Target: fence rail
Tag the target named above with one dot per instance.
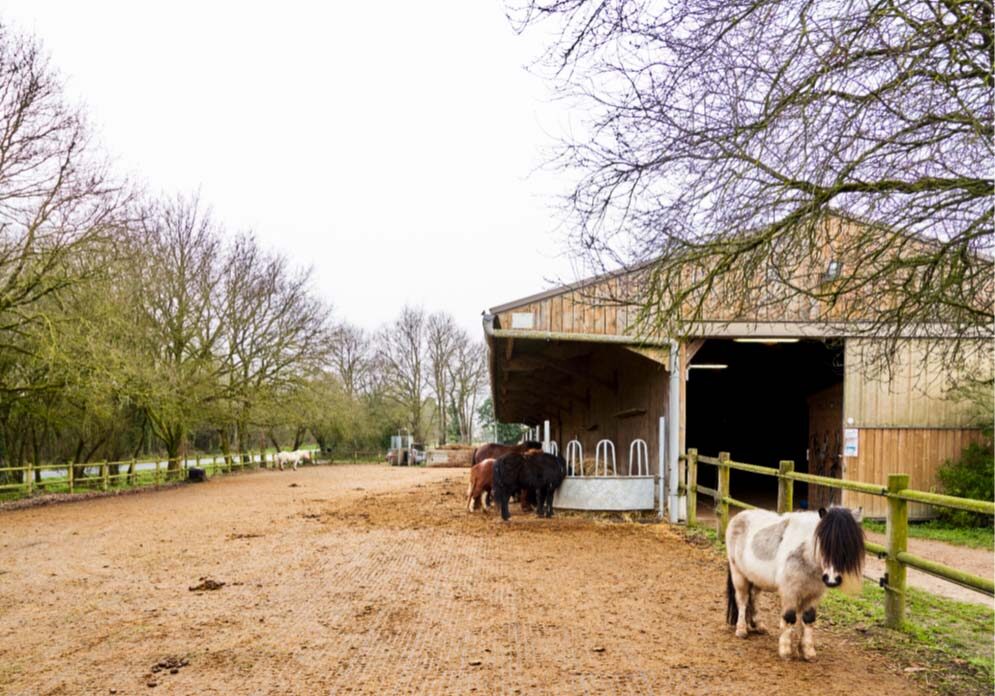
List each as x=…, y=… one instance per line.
x=897, y=492
x=131, y=473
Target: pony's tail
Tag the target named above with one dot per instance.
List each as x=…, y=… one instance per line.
x=732, y=610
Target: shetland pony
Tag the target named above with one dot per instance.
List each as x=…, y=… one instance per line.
x=798, y=555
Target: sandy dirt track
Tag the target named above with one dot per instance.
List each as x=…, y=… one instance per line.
x=366, y=579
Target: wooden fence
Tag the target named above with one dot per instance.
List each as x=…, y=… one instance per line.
x=898, y=494
x=101, y=476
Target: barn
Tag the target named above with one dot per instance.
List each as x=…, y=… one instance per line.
x=785, y=383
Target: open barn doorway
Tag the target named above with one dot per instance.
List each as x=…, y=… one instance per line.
x=767, y=401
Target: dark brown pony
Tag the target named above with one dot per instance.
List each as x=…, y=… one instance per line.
x=493, y=450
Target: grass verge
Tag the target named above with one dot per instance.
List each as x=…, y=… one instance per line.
x=938, y=530
x=944, y=644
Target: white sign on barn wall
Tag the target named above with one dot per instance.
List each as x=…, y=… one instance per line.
x=850, y=442
x=521, y=320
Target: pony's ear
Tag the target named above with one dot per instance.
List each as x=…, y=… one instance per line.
x=822, y=513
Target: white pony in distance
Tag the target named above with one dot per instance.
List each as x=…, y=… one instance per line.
x=292, y=458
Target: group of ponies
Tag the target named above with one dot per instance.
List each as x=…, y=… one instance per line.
x=798, y=555
x=499, y=472
x=292, y=459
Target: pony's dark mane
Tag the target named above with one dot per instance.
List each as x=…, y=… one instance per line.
x=841, y=540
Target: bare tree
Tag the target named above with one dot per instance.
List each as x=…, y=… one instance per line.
x=176, y=283
x=402, y=360
x=275, y=334
x=738, y=143
x=442, y=335
x=57, y=200
x=467, y=371
x=350, y=358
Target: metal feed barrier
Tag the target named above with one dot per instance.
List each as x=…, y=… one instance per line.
x=603, y=490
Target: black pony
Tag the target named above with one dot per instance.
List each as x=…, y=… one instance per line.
x=536, y=471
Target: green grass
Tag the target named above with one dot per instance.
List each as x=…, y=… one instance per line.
x=938, y=530
x=945, y=643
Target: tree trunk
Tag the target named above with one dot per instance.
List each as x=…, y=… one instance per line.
x=272, y=438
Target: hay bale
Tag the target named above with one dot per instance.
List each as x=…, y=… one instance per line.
x=450, y=456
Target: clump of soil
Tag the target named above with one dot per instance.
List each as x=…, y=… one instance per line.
x=206, y=584
x=171, y=664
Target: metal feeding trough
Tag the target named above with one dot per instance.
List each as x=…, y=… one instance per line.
x=606, y=489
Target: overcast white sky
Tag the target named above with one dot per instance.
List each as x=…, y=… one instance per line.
x=390, y=144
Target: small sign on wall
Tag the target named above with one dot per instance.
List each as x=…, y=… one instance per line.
x=850, y=442
x=521, y=320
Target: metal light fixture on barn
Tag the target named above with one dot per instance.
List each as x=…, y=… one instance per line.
x=708, y=366
x=766, y=341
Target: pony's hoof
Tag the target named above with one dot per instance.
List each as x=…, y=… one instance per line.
x=785, y=654
x=808, y=654
x=759, y=629
x=742, y=633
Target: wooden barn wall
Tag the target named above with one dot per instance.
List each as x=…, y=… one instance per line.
x=915, y=393
x=906, y=419
x=918, y=452
x=641, y=384
x=596, y=307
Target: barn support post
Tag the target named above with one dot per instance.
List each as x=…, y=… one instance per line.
x=722, y=504
x=692, y=486
x=785, y=487
x=545, y=436
x=674, y=433
x=662, y=456
x=897, y=529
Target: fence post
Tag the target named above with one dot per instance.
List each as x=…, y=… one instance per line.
x=785, y=487
x=104, y=471
x=155, y=476
x=196, y=460
x=692, y=487
x=71, y=476
x=721, y=506
x=30, y=480
x=897, y=529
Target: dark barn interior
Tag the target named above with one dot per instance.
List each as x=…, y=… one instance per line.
x=764, y=406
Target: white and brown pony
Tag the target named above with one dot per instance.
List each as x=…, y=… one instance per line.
x=798, y=555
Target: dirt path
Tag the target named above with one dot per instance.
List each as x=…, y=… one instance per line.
x=365, y=579
x=977, y=561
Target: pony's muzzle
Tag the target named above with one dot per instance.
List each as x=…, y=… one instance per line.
x=832, y=583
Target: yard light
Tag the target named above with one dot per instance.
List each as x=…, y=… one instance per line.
x=766, y=341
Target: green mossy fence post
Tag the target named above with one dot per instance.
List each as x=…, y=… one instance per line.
x=721, y=505
x=897, y=529
x=104, y=471
x=29, y=479
x=197, y=460
x=155, y=476
x=71, y=475
x=785, y=487
x=692, y=491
